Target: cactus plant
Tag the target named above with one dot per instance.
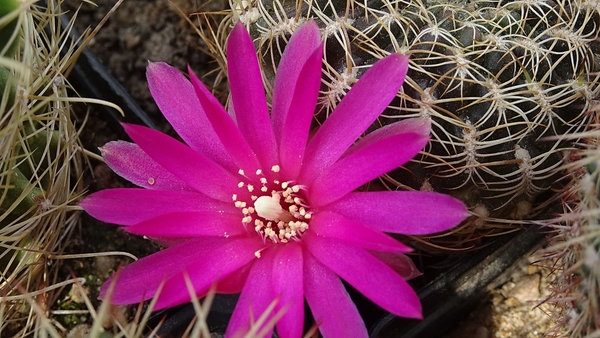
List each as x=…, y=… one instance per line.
x=501, y=82
x=41, y=161
x=575, y=250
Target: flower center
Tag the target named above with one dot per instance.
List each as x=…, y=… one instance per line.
x=279, y=213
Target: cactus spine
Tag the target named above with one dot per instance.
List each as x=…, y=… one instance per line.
x=575, y=250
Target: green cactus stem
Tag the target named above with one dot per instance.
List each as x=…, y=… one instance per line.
x=19, y=196
x=39, y=147
x=7, y=89
x=9, y=20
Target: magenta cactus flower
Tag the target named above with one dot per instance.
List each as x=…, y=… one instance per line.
x=252, y=203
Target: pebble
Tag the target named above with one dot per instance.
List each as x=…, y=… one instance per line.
x=526, y=289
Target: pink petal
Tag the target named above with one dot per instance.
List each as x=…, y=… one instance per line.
x=177, y=100
x=209, y=269
x=331, y=306
x=191, y=224
x=367, y=274
x=332, y=225
x=300, y=115
x=402, y=212
x=248, y=96
x=364, y=165
x=129, y=206
x=234, y=283
x=139, y=280
x=419, y=126
x=303, y=43
x=190, y=166
x=287, y=283
x=400, y=263
x=133, y=164
x=256, y=296
x=229, y=134
x=359, y=108
x=295, y=96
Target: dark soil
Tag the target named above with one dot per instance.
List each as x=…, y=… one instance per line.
x=146, y=30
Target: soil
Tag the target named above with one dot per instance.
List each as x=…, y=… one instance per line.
x=142, y=30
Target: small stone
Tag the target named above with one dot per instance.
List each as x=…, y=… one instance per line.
x=78, y=293
x=105, y=266
x=117, y=316
x=132, y=41
x=79, y=331
x=512, y=302
x=527, y=289
x=482, y=332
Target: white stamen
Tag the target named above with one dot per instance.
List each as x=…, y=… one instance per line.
x=281, y=216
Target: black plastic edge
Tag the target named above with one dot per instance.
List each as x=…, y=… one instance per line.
x=91, y=79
